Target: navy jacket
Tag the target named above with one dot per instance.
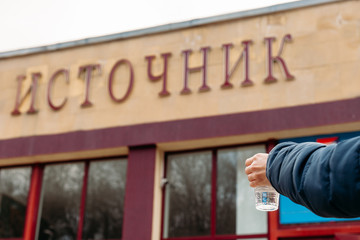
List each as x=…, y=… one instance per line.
x=323, y=178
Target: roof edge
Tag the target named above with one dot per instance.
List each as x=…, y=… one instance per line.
x=166, y=27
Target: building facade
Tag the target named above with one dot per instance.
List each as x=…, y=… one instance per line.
x=144, y=134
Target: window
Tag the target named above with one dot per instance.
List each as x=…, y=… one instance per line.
x=82, y=200
x=105, y=200
x=188, y=195
x=61, y=195
x=208, y=195
x=236, y=213
x=14, y=188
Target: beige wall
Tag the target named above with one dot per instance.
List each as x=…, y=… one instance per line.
x=324, y=57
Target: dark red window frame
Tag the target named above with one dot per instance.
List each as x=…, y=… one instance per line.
x=35, y=193
x=311, y=230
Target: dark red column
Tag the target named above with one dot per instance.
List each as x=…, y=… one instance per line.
x=33, y=202
x=138, y=208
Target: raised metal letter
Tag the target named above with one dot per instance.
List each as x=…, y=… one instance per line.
x=87, y=70
x=164, y=92
x=244, y=54
x=111, y=79
x=270, y=59
x=65, y=72
x=32, y=90
x=187, y=70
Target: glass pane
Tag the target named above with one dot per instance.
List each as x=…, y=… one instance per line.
x=188, y=195
x=105, y=200
x=235, y=210
x=60, y=202
x=14, y=188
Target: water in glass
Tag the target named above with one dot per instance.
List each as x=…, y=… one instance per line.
x=266, y=199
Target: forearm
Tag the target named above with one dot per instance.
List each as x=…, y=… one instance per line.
x=322, y=178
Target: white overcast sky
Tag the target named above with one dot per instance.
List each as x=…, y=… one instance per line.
x=33, y=23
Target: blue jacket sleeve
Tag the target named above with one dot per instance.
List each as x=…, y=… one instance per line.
x=323, y=178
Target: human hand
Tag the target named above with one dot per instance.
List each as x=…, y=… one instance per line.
x=256, y=170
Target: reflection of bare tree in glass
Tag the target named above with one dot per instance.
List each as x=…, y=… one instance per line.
x=236, y=213
x=105, y=200
x=189, y=200
x=14, y=188
x=62, y=185
x=226, y=193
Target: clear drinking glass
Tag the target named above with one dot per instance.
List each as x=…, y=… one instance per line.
x=266, y=198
